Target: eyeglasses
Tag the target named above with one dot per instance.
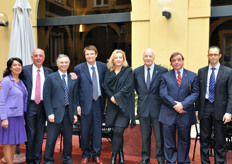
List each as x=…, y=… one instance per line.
x=211, y=55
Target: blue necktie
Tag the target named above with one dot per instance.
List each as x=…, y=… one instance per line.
x=148, y=78
x=66, y=102
x=212, y=85
x=95, y=84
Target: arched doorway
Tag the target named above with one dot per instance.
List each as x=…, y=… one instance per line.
x=68, y=26
x=221, y=29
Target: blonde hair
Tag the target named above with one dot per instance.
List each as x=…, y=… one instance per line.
x=110, y=64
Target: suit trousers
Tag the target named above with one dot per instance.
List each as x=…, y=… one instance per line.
x=172, y=154
x=92, y=122
x=53, y=130
x=35, y=121
x=206, y=123
x=146, y=125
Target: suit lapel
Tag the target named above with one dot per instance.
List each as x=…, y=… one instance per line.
x=220, y=72
x=86, y=71
x=58, y=78
x=204, y=77
x=99, y=69
x=30, y=73
x=173, y=76
x=155, y=72
x=142, y=76
x=69, y=82
x=45, y=72
x=184, y=77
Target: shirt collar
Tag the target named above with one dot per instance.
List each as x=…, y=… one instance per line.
x=62, y=73
x=151, y=67
x=216, y=67
x=89, y=65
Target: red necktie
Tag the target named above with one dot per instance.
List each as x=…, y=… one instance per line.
x=37, y=88
x=179, y=78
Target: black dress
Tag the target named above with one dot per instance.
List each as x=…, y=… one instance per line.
x=121, y=86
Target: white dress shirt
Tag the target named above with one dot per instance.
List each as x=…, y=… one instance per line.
x=151, y=71
x=91, y=73
x=208, y=78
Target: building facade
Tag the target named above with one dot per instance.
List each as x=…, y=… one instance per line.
x=67, y=26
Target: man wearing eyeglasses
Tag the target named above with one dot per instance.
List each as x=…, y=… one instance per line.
x=214, y=105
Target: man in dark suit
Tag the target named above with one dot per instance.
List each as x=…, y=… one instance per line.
x=179, y=89
x=60, y=105
x=214, y=105
x=147, y=84
x=35, y=115
x=91, y=103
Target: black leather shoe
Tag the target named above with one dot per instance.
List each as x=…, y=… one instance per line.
x=68, y=162
x=121, y=157
x=147, y=161
x=113, y=158
x=161, y=162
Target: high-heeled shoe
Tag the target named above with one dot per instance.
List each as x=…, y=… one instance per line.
x=121, y=157
x=113, y=158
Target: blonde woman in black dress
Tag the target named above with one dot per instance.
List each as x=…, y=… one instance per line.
x=119, y=87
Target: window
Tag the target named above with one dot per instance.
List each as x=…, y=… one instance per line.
x=101, y=3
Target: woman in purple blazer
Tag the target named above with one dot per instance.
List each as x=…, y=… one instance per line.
x=13, y=99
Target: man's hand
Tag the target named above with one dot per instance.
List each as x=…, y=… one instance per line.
x=226, y=118
x=5, y=123
x=74, y=119
x=51, y=118
x=73, y=75
x=79, y=110
x=0, y=86
x=179, y=107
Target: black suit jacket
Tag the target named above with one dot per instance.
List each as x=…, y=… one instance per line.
x=53, y=94
x=28, y=78
x=223, y=92
x=149, y=101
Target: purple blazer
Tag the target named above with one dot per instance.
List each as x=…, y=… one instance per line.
x=12, y=101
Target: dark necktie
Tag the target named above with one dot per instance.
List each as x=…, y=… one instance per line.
x=66, y=102
x=179, y=78
x=37, y=88
x=95, y=84
x=212, y=85
x=148, y=78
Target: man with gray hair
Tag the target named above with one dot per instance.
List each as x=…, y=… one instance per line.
x=61, y=110
x=147, y=82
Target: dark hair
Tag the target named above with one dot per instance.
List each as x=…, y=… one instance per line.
x=175, y=54
x=7, y=71
x=91, y=47
x=213, y=47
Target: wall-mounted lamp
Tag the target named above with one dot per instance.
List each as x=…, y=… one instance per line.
x=3, y=19
x=81, y=28
x=165, y=6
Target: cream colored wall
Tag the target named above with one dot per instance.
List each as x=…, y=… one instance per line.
x=187, y=31
x=6, y=7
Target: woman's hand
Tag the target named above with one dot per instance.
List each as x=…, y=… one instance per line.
x=5, y=123
x=112, y=99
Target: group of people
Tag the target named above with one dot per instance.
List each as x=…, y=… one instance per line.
x=168, y=102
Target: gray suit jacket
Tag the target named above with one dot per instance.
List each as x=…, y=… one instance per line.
x=223, y=92
x=53, y=94
x=149, y=101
